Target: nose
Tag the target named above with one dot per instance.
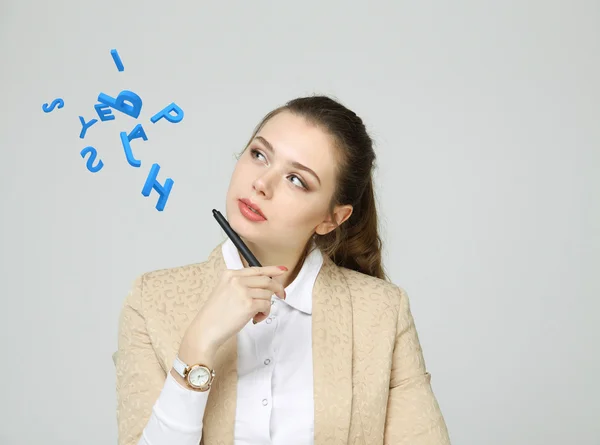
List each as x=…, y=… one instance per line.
x=263, y=185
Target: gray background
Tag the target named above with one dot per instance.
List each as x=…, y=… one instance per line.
x=485, y=116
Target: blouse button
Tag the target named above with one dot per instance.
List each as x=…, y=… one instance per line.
x=269, y=320
x=267, y=361
x=264, y=402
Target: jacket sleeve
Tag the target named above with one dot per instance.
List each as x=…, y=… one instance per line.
x=413, y=414
x=139, y=377
x=152, y=407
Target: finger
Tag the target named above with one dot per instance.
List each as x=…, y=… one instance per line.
x=262, y=309
x=260, y=294
x=264, y=270
x=263, y=282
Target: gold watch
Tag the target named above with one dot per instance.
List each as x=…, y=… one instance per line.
x=198, y=377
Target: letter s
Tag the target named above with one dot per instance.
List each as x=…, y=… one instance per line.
x=48, y=109
x=91, y=159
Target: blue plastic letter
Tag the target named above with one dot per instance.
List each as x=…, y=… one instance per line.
x=91, y=159
x=117, y=59
x=137, y=132
x=132, y=110
x=166, y=113
x=85, y=125
x=128, y=153
x=48, y=109
x=163, y=191
x=104, y=112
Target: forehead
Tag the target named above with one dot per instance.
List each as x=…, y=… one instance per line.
x=295, y=139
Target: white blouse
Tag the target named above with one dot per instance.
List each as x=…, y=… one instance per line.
x=275, y=375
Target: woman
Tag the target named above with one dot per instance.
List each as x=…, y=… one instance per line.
x=331, y=355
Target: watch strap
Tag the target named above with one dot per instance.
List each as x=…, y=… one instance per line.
x=179, y=366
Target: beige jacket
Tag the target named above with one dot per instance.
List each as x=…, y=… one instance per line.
x=370, y=382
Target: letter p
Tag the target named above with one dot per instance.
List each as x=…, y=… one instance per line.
x=166, y=113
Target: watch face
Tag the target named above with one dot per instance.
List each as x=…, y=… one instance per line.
x=199, y=376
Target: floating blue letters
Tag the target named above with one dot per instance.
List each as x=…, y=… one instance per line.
x=128, y=153
x=119, y=104
x=104, y=112
x=163, y=191
x=166, y=113
x=55, y=102
x=91, y=159
x=85, y=125
x=117, y=59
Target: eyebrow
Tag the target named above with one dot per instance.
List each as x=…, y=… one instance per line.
x=269, y=147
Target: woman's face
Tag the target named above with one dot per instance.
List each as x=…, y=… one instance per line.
x=287, y=171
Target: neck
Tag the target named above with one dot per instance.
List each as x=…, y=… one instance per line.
x=278, y=257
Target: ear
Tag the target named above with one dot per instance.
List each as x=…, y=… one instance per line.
x=341, y=213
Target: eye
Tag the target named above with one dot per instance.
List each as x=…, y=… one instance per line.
x=302, y=184
x=254, y=153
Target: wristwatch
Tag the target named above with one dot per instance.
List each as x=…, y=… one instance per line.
x=198, y=377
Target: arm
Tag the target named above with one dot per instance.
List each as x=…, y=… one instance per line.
x=413, y=415
x=151, y=408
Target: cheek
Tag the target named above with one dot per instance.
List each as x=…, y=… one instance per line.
x=237, y=176
x=245, y=173
x=301, y=213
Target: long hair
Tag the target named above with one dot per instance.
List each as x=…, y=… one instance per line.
x=355, y=244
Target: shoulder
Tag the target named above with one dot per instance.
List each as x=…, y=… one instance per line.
x=173, y=274
x=184, y=278
x=378, y=306
x=177, y=288
x=373, y=289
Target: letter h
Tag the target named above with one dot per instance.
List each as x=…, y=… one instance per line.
x=163, y=190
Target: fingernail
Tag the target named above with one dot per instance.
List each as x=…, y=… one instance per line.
x=283, y=268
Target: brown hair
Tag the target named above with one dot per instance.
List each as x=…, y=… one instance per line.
x=355, y=244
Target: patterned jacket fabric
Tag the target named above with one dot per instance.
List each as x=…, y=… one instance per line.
x=371, y=385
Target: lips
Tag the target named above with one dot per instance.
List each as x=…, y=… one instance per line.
x=253, y=206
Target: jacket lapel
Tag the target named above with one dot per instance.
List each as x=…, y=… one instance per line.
x=332, y=355
x=332, y=363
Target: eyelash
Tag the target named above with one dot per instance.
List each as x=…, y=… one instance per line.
x=254, y=152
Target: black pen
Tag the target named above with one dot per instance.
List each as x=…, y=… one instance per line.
x=235, y=238
x=237, y=241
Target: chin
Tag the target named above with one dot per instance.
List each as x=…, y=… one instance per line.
x=241, y=225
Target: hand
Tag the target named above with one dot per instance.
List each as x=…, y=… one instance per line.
x=239, y=296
